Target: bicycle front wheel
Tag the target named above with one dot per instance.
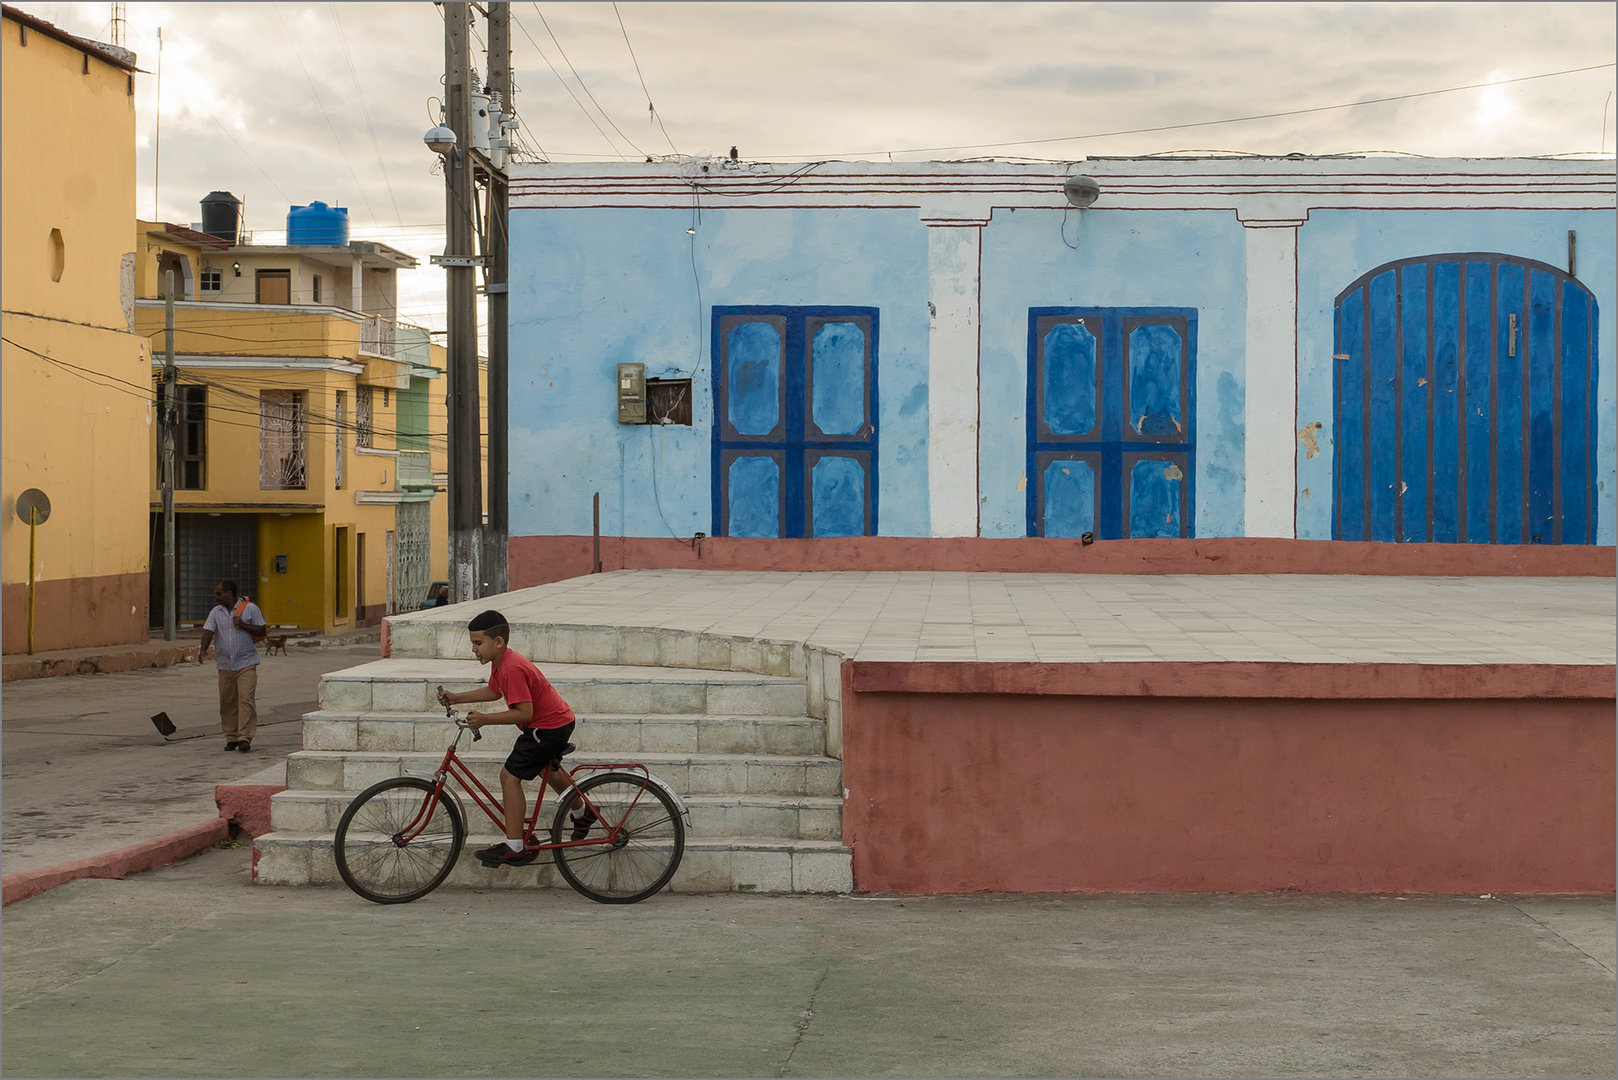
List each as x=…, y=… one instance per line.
x=390, y=849
x=650, y=838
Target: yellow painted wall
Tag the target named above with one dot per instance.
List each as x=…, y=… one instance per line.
x=75, y=425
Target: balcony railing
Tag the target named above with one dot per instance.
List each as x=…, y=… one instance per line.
x=377, y=337
x=414, y=471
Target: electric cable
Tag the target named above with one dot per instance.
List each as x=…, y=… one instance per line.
x=583, y=87
x=649, y=106
x=518, y=24
x=342, y=149
x=359, y=94
x=1214, y=123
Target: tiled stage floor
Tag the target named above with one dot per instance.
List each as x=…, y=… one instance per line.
x=1088, y=618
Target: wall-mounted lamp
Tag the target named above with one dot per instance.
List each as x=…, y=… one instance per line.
x=1081, y=191
x=237, y=267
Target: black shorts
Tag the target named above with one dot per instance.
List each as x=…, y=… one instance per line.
x=535, y=749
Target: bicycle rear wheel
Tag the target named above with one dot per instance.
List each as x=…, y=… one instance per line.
x=372, y=853
x=650, y=839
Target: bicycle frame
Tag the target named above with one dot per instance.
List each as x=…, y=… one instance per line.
x=452, y=767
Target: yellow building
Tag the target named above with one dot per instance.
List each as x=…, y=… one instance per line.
x=311, y=449
x=74, y=380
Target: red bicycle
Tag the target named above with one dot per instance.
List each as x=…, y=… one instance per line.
x=399, y=839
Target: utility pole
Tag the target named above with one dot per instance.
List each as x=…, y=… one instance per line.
x=170, y=386
x=460, y=260
x=496, y=254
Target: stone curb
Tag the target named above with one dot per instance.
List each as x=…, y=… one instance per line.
x=146, y=855
x=248, y=805
x=102, y=664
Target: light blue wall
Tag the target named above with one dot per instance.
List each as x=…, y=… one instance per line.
x=593, y=288
x=1125, y=258
x=1336, y=246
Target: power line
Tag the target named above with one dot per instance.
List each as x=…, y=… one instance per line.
x=250, y=157
x=649, y=106
x=359, y=93
x=518, y=23
x=298, y=52
x=586, y=89
x=1210, y=123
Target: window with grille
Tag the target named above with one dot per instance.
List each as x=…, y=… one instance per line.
x=337, y=430
x=282, y=434
x=362, y=417
x=213, y=281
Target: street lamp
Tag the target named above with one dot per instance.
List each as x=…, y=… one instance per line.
x=441, y=140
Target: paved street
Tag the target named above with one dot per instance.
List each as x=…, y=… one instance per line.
x=189, y=971
x=85, y=772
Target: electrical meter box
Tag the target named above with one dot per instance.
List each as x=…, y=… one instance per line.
x=632, y=393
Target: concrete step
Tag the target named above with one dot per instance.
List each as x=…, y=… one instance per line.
x=700, y=774
x=709, y=864
x=760, y=817
x=691, y=733
x=410, y=685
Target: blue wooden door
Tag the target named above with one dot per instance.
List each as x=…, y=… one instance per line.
x=1465, y=392
x=795, y=434
x=1111, y=421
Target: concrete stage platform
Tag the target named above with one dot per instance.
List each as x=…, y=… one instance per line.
x=1045, y=732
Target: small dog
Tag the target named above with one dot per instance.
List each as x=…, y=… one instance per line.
x=274, y=643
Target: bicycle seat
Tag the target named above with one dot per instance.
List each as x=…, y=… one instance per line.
x=566, y=750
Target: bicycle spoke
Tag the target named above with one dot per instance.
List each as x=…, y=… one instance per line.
x=374, y=858
x=648, y=839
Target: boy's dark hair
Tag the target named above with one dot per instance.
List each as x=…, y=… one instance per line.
x=491, y=624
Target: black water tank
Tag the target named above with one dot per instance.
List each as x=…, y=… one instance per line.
x=222, y=216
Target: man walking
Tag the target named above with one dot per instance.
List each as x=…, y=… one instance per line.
x=234, y=623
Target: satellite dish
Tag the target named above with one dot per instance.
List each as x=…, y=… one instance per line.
x=33, y=499
x=1081, y=191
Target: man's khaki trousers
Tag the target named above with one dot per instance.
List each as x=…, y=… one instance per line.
x=238, y=706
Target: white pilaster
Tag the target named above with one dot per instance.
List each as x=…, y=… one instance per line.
x=953, y=248
x=1269, y=505
x=357, y=286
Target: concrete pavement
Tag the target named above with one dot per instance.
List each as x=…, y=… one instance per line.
x=1073, y=618
x=84, y=771
x=189, y=971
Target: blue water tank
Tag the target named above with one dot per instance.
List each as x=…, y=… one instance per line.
x=317, y=224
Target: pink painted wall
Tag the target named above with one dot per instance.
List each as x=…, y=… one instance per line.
x=962, y=792
x=537, y=560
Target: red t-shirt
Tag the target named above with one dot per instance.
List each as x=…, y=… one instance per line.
x=516, y=679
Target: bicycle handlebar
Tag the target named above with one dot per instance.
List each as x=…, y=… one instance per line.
x=460, y=719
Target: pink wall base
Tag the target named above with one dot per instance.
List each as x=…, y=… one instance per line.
x=962, y=792
x=538, y=560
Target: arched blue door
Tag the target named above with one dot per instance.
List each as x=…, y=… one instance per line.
x=1465, y=397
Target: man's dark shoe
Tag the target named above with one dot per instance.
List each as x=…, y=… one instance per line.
x=582, y=820
x=499, y=855
x=245, y=745
x=232, y=745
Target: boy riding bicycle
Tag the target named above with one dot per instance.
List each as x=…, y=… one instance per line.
x=545, y=721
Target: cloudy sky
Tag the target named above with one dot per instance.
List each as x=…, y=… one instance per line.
x=285, y=103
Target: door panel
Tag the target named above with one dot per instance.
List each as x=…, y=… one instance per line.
x=1111, y=428
x=795, y=435
x=1464, y=395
